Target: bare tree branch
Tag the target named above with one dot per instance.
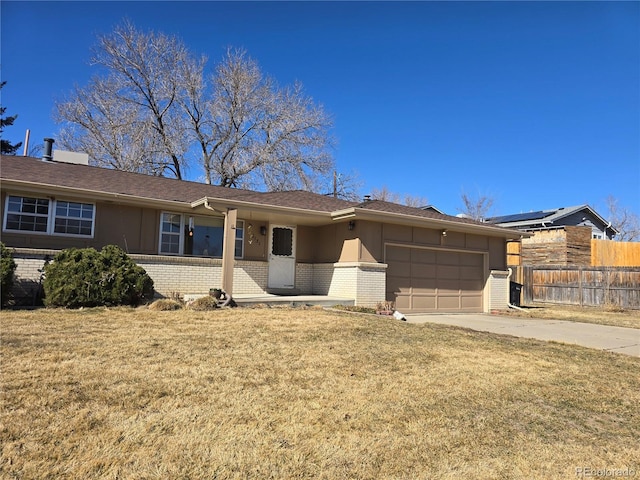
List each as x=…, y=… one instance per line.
x=405, y=199
x=624, y=221
x=155, y=108
x=477, y=208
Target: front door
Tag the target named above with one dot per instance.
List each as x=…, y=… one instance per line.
x=282, y=256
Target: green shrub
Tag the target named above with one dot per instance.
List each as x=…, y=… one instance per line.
x=8, y=268
x=88, y=278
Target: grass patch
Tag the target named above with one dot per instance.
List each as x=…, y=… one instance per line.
x=291, y=393
x=604, y=315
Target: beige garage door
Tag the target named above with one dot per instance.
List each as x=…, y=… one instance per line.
x=422, y=280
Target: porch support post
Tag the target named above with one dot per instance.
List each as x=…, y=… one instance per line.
x=228, y=249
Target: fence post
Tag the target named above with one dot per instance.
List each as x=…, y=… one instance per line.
x=580, y=291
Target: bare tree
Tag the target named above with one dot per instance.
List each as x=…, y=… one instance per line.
x=130, y=119
x=476, y=208
x=156, y=108
x=624, y=221
x=265, y=136
x=346, y=186
x=111, y=132
x=405, y=199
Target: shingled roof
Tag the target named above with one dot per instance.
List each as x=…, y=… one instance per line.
x=33, y=172
x=103, y=180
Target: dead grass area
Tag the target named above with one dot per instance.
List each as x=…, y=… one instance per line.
x=292, y=393
x=601, y=315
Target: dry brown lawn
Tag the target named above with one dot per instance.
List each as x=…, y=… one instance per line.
x=601, y=315
x=302, y=393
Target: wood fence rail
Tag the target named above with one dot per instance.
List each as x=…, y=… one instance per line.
x=584, y=286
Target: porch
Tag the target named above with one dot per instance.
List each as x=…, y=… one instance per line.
x=248, y=300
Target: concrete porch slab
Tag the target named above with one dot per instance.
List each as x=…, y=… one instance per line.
x=291, y=300
x=248, y=299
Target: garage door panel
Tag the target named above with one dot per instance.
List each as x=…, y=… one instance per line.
x=471, y=302
x=419, y=255
x=471, y=286
x=424, y=285
x=403, y=302
x=429, y=280
x=448, y=258
x=424, y=302
x=448, y=287
x=398, y=284
x=448, y=272
x=398, y=254
x=471, y=260
x=471, y=273
x=448, y=303
x=399, y=269
x=423, y=271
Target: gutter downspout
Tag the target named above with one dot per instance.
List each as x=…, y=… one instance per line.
x=228, y=245
x=510, y=270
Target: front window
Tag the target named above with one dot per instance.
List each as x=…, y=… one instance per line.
x=27, y=214
x=42, y=215
x=205, y=237
x=74, y=218
x=196, y=235
x=170, y=233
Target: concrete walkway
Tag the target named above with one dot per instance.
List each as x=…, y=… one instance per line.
x=613, y=339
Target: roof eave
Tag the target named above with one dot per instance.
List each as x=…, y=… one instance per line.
x=48, y=189
x=426, y=222
x=257, y=207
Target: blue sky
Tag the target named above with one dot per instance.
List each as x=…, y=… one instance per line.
x=536, y=104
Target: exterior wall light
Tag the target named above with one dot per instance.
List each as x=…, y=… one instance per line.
x=351, y=225
x=444, y=233
x=263, y=230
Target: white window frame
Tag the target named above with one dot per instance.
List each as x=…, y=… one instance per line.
x=180, y=234
x=51, y=216
x=187, y=220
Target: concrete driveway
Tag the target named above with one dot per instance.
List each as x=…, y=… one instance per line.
x=613, y=339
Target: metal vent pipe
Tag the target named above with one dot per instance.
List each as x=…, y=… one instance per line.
x=48, y=148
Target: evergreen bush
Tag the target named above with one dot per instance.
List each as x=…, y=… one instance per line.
x=7, y=268
x=88, y=278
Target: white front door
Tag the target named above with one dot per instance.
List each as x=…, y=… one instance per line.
x=282, y=256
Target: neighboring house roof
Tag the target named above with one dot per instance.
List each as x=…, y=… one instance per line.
x=34, y=174
x=553, y=218
x=432, y=208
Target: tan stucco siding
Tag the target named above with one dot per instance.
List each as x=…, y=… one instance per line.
x=306, y=242
x=374, y=236
x=255, y=243
x=497, y=253
x=134, y=229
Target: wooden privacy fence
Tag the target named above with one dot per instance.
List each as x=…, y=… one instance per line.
x=615, y=254
x=584, y=286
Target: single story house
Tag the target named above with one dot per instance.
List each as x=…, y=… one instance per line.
x=191, y=237
x=557, y=218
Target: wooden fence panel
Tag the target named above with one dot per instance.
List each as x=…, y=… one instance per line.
x=607, y=253
x=585, y=286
